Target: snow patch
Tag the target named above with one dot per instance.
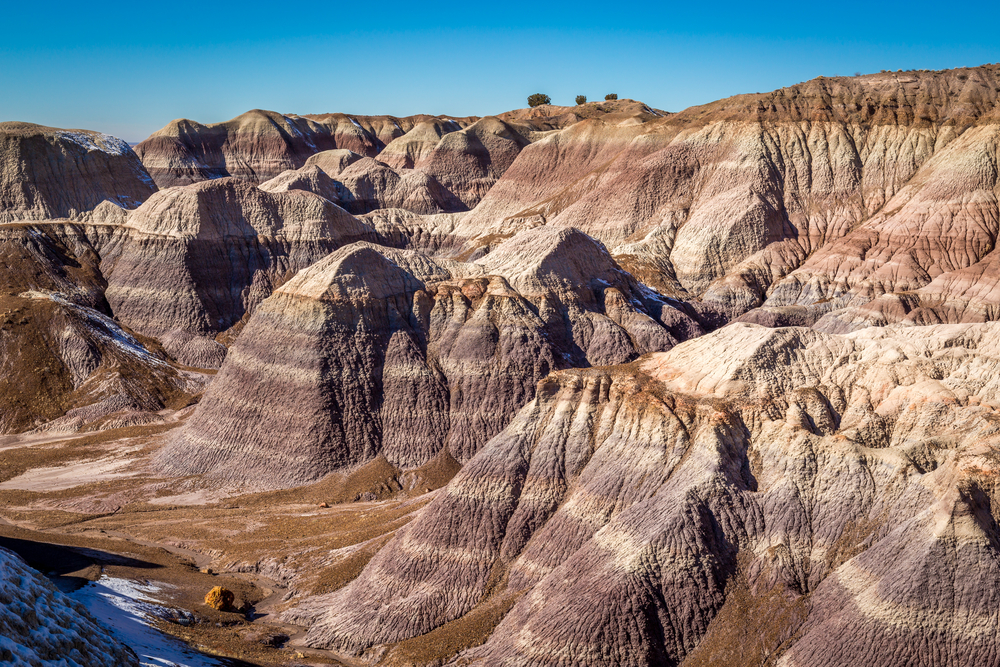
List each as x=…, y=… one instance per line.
x=129, y=609
x=103, y=327
x=96, y=142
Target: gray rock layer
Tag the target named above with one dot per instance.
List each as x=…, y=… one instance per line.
x=850, y=475
x=378, y=351
x=194, y=260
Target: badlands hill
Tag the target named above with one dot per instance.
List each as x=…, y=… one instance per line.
x=51, y=173
x=714, y=387
x=261, y=144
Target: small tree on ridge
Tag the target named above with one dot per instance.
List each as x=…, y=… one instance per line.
x=581, y=99
x=611, y=96
x=538, y=99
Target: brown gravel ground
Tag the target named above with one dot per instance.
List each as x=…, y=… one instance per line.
x=271, y=549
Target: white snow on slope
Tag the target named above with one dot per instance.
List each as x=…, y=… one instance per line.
x=97, y=142
x=128, y=608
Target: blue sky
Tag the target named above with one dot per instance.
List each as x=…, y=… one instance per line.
x=129, y=68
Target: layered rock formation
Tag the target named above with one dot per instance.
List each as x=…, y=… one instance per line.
x=406, y=151
x=39, y=625
x=194, y=260
x=469, y=162
x=378, y=352
x=435, y=168
x=259, y=145
x=929, y=256
x=723, y=201
x=369, y=184
x=60, y=351
x=813, y=482
x=53, y=173
x=823, y=485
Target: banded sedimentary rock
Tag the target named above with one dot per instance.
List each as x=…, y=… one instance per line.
x=928, y=257
x=433, y=235
x=259, y=145
x=470, y=161
x=61, y=354
x=333, y=162
x=310, y=178
x=406, y=151
x=194, y=260
x=723, y=201
x=52, y=173
x=370, y=185
x=366, y=185
x=820, y=487
x=375, y=351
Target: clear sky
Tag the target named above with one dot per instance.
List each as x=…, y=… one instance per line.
x=128, y=68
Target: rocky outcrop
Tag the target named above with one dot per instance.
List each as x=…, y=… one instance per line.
x=466, y=162
x=367, y=185
x=825, y=485
x=406, y=151
x=39, y=625
x=432, y=235
x=52, y=173
x=194, y=260
x=310, y=178
x=259, y=145
x=333, y=162
x=370, y=185
x=379, y=352
x=929, y=256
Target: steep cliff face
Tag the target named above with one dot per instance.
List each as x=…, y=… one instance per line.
x=259, y=145
x=39, y=625
x=373, y=351
x=192, y=261
x=52, y=173
x=824, y=481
